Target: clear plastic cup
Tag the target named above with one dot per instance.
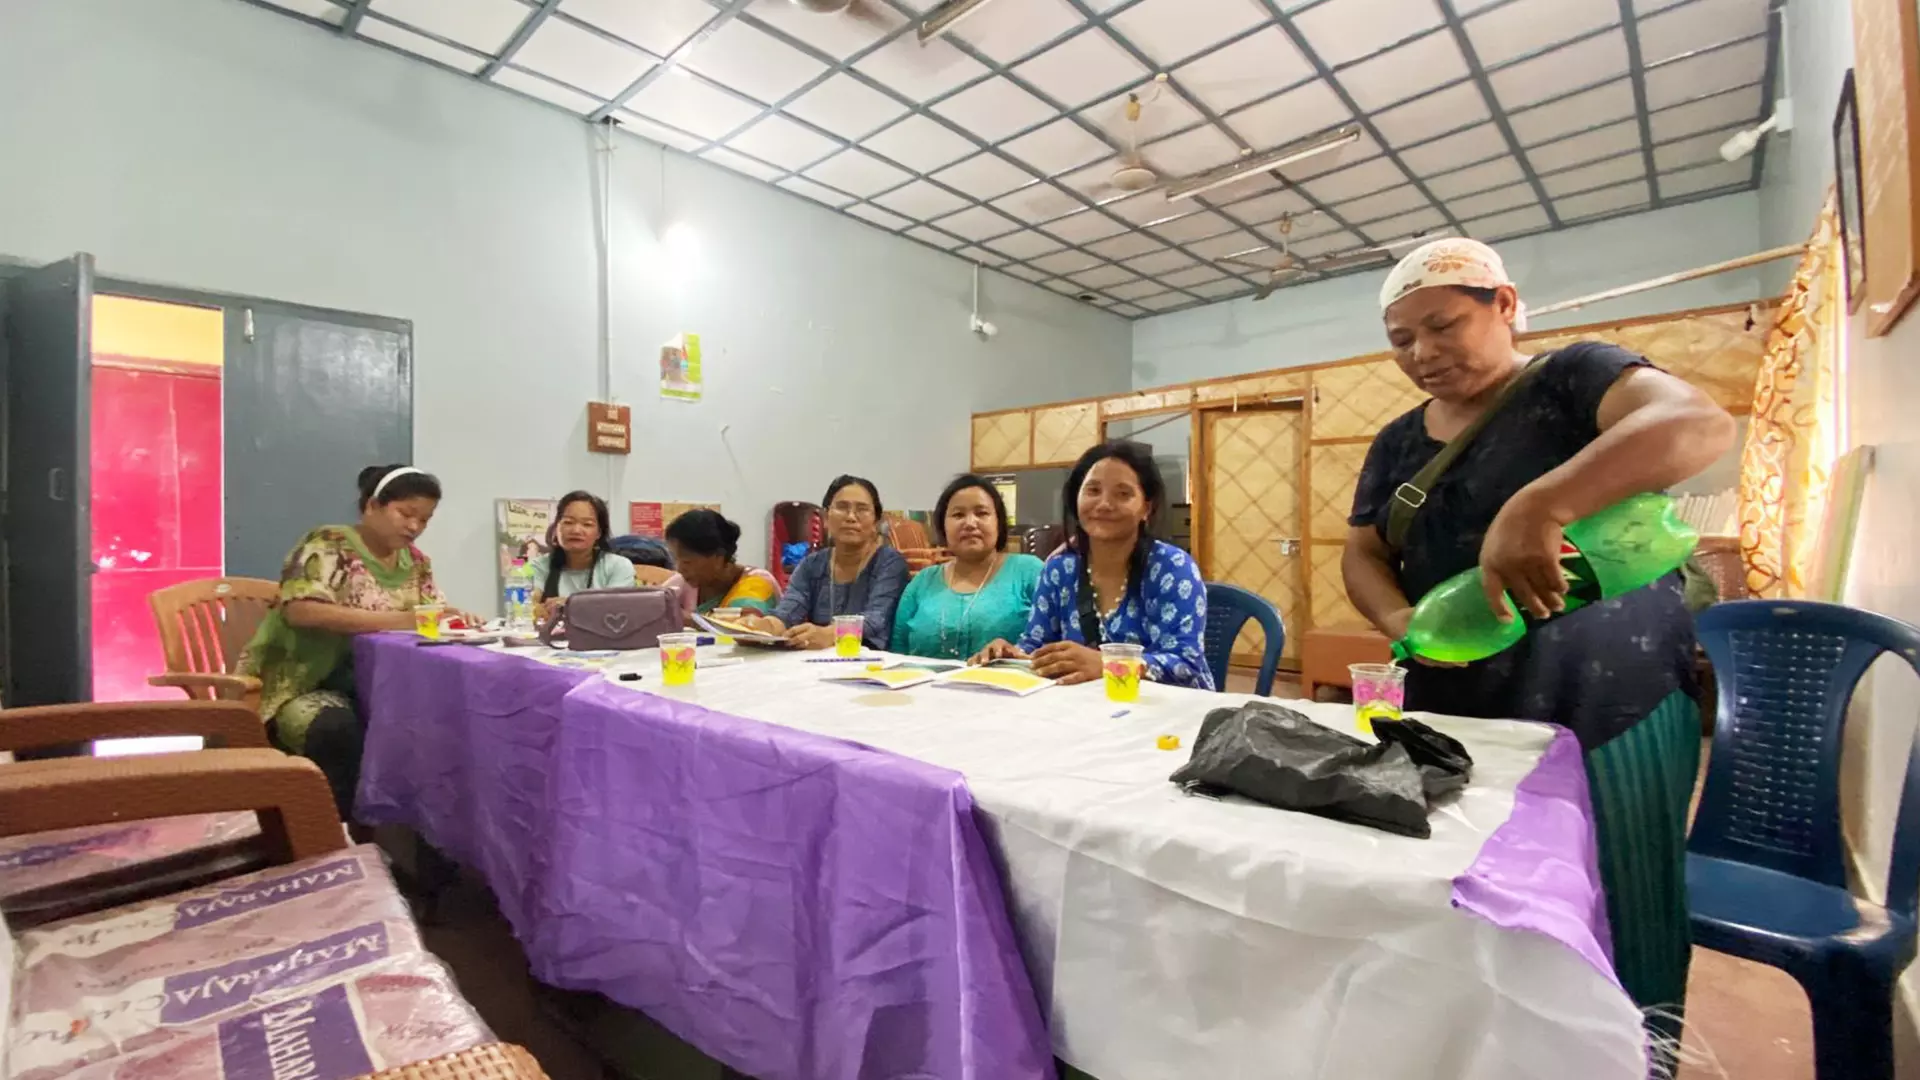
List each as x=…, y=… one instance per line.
x=1379, y=693
x=426, y=620
x=847, y=633
x=677, y=652
x=1122, y=667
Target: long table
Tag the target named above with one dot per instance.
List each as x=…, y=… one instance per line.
x=812, y=880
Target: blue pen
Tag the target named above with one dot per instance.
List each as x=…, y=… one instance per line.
x=1121, y=713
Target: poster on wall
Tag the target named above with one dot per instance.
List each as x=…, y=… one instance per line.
x=650, y=519
x=520, y=530
x=680, y=374
x=1009, y=489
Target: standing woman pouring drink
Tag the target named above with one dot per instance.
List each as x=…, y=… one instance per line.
x=1115, y=584
x=856, y=574
x=1548, y=440
x=951, y=612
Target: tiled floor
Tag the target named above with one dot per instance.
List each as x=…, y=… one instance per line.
x=1754, y=1019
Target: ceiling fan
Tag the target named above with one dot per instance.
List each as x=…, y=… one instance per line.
x=1133, y=175
x=866, y=11
x=1292, y=266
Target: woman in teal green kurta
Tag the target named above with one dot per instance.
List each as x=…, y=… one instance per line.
x=952, y=611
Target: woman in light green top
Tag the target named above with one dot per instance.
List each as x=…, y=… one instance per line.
x=952, y=611
x=582, y=553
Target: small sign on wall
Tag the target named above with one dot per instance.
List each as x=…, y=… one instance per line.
x=650, y=519
x=609, y=428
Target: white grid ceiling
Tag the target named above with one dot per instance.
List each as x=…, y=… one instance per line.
x=1493, y=118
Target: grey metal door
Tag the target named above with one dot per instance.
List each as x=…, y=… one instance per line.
x=311, y=398
x=47, y=533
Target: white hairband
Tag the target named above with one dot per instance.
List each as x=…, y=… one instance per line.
x=388, y=479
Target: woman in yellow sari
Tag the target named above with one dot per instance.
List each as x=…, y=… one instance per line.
x=703, y=545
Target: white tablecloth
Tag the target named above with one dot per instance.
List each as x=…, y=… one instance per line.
x=1170, y=936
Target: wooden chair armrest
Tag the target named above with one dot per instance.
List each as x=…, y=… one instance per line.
x=493, y=1061
x=218, y=687
x=221, y=723
x=289, y=794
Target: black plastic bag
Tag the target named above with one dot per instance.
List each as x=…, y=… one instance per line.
x=1277, y=756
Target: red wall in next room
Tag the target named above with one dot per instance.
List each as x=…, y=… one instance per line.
x=157, y=519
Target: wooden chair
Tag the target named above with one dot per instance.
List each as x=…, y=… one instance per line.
x=1044, y=540
x=1326, y=651
x=912, y=540
x=652, y=575
x=204, y=626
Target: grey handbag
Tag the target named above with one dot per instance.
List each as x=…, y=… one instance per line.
x=616, y=619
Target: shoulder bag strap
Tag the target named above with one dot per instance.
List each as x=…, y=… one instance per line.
x=1409, y=497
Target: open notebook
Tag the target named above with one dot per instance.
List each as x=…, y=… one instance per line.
x=740, y=634
x=995, y=679
x=900, y=674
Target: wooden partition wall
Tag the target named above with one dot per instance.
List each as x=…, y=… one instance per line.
x=1345, y=403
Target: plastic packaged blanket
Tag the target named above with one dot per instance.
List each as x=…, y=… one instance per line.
x=135, y=978
x=42, y=860
x=1281, y=758
x=343, y=1030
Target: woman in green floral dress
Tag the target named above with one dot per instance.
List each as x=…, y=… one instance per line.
x=339, y=581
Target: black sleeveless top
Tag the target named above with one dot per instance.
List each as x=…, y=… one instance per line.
x=1597, y=670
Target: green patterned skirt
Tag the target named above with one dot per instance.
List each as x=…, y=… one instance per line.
x=1642, y=785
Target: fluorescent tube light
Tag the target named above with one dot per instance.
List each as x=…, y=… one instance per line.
x=942, y=19
x=1335, y=139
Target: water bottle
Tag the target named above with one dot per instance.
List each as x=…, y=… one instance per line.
x=520, y=595
x=1629, y=545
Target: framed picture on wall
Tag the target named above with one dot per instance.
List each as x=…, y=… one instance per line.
x=1846, y=172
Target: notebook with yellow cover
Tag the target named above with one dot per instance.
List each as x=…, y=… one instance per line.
x=999, y=680
x=892, y=678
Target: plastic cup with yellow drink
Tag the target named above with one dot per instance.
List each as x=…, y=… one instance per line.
x=426, y=620
x=1122, y=666
x=1379, y=693
x=847, y=632
x=677, y=661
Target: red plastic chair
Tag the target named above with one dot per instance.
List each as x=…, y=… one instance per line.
x=792, y=523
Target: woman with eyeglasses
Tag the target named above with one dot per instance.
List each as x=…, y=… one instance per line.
x=855, y=574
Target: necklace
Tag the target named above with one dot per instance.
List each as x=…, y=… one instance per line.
x=833, y=587
x=966, y=612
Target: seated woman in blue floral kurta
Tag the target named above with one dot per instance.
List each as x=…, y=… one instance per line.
x=1114, y=575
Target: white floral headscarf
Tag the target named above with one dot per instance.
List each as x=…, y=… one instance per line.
x=1454, y=260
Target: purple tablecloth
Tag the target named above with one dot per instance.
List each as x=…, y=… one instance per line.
x=1541, y=870
x=459, y=743
x=794, y=906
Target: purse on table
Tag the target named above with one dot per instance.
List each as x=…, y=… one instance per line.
x=616, y=619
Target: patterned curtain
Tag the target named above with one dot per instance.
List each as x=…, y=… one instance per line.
x=1792, y=439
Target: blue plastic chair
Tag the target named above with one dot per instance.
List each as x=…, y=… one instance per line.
x=1766, y=870
x=1228, y=609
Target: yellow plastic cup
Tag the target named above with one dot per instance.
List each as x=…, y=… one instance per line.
x=1379, y=693
x=426, y=620
x=677, y=663
x=847, y=633
x=1122, y=666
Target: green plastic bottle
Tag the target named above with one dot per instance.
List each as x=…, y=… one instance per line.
x=1629, y=545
